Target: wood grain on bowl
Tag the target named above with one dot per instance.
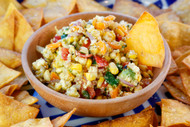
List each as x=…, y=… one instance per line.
x=87, y=107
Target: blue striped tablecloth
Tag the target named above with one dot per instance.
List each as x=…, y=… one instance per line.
x=47, y=110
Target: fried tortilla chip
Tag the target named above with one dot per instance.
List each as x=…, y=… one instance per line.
x=186, y=61
x=181, y=58
x=129, y=7
x=12, y=111
x=61, y=121
x=44, y=122
x=7, y=31
x=148, y=46
x=7, y=75
x=182, y=9
x=185, y=77
x=90, y=5
x=168, y=16
x=34, y=4
x=176, y=93
x=176, y=81
x=54, y=10
x=174, y=113
x=34, y=17
x=179, y=51
x=10, y=58
x=175, y=33
x=173, y=67
x=24, y=97
x=8, y=90
x=5, y=3
x=143, y=119
x=67, y=4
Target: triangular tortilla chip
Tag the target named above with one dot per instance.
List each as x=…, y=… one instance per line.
x=173, y=68
x=32, y=4
x=12, y=111
x=179, y=60
x=7, y=31
x=179, y=51
x=168, y=16
x=10, y=58
x=44, y=122
x=5, y=3
x=23, y=30
x=186, y=61
x=185, y=77
x=7, y=75
x=8, y=90
x=146, y=40
x=24, y=97
x=34, y=17
x=90, y=5
x=61, y=121
x=174, y=113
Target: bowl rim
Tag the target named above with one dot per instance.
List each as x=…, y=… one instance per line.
x=29, y=72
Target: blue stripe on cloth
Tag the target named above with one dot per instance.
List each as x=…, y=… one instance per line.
x=72, y=117
x=40, y=113
x=35, y=94
x=137, y=1
x=94, y=122
x=99, y=1
x=49, y=105
x=155, y=98
x=117, y=116
x=159, y=3
x=138, y=109
x=110, y=6
x=170, y=2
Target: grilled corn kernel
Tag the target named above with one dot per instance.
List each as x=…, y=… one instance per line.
x=120, y=32
x=57, y=87
x=113, y=68
x=145, y=74
x=70, y=39
x=109, y=36
x=100, y=81
x=77, y=67
x=150, y=73
x=90, y=76
x=88, y=63
x=99, y=97
x=118, y=58
x=47, y=75
x=132, y=54
x=113, y=55
x=123, y=59
x=142, y=67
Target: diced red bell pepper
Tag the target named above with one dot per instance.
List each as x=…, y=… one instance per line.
x=65, y=53
x=118, y=37
x=56, y=38
x=91, y=92
x=149, y=68
x=84, y=55
x=101, y=61
x=88, y=44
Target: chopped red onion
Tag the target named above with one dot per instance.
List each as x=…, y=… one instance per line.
x=125, y=82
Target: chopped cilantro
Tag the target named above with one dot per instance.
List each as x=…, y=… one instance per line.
x=110, y=79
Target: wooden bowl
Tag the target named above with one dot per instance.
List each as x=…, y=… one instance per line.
x=87, y=107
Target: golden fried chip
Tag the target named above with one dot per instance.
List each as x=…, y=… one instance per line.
x=34, y=17
x=173, y=67
x=10, y=58
x=182, y=9
x=7, y=31
x=186, y=61
x=176, y=93
x=179, y=51
x=8, y=90
x=23, y=30
x=129, y=7
x=7, y=75
x=185, y=77
x=24, y=97
x=5, y=3
x=12, y=111
x=143, y=119
x=168, y=16
x=34, y=4
x=61, y=121
x=175, y=33
x=174, y=113
x=153, y=7
x=90, y=5
x=43, y=122
x=145, y=39
x=176, y=81
x=36, y=106
x=54, y=10
x=181, y=58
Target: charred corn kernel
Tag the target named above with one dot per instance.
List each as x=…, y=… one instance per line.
x=100, y=25
x=150, y=73
x=99, y=97
x=94, y=22
x=88, y=63
x=119, y=31
x=100, y=81
x=143, y=67
x=77, y=67
x=145, y=74
x=113, y=68
x=109, y=36
x=113, y=55
x=123, y=59
x=90, y=76
x=70, y=39
x=118, y=58
x=47, y=75
x=57, y=87
x=70, y=75
x=109, y=18
x=132, y=54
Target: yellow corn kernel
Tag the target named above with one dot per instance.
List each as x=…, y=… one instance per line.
x=90, y=76
x=100, y=81
x=77, y=67
x=70, y=39
x=57, y=87
x=70, y=75
x=143, y=67
x=99, y=97
x=145, y=74
x=120, y=32
x=132, y=56
x=150, y=73
x=113, y=68
x=88, y=63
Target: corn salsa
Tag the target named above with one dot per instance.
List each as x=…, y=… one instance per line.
x=91, y=60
